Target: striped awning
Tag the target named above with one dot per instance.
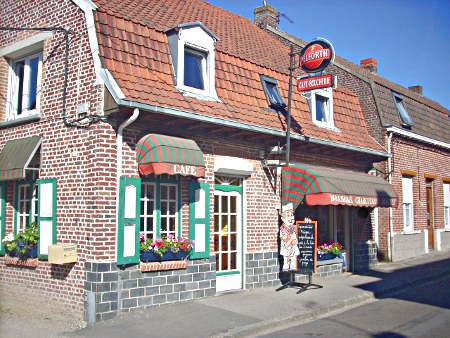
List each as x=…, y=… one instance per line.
x=16, y=155
x=328, y=186
x=162, y=154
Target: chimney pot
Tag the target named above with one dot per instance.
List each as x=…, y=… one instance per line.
x=370, y=64
x=265, y=15
x=418, y=89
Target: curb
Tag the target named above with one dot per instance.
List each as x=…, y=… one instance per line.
x=265, y=327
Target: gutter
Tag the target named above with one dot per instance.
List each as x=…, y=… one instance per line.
x=391, y=211
x=119, y=156
x=242, y=126
x=417, y=137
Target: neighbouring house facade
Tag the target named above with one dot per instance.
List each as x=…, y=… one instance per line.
x=123, y=120
x=414, y=130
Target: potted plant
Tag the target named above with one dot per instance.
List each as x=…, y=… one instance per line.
x=164, y=248
x=23, y=244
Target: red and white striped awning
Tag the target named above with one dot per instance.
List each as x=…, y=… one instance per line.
x=328, y=186
x=162, y=154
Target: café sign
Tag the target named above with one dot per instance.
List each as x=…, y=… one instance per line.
x=316, y=56
x=315, y=82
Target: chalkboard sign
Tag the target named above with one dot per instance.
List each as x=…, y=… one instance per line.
x=307, y=243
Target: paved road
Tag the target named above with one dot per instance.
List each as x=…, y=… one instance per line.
x=419, y=312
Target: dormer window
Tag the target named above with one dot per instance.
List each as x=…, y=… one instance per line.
x=321, y=106
x=195, y=63
x=192, y=50
x=406, y=120
x=273, y=96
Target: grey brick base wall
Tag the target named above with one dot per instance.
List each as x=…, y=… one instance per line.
x=115, y=289
x=365, y=256
x=445, y=240
x=261, y=270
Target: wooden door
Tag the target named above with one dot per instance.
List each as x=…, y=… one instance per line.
x=430, y=217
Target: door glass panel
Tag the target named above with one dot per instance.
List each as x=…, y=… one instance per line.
x=233, y=242
x=233, y=204
x=233, y=223
x=233, y=260
x=216, y=204
x=224, y=207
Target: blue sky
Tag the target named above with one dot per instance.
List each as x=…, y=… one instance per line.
x=409, y=38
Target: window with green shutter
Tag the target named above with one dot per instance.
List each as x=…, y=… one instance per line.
x=199, y=231
x=2, y=214
x=128, y=222
x=46, y=215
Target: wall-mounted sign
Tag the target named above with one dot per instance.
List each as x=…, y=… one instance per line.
x=315, y=82
x=316, y=55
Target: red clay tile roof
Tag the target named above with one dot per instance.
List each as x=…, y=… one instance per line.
x=134, y=48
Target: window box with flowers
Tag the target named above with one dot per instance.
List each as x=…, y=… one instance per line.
x=329, y=251
x=164, y=253
x=21, y=248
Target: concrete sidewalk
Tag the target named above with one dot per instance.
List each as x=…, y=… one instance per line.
x=249, y=313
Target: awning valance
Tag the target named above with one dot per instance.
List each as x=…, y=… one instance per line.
x=162, y=154
x=328, y=186
x=16, y=155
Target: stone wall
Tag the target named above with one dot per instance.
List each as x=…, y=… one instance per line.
x=408, y=245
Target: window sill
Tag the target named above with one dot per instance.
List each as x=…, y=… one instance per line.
x=165, y=265
x=20, y=120
x=198, y=94
x=28, y=263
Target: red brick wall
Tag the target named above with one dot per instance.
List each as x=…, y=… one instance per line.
x=74, y=156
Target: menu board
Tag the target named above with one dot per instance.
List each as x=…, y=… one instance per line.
x=307, y=243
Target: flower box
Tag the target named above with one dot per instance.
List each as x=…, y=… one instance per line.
x=28, y=262
x=167, y=256
x=325, y=257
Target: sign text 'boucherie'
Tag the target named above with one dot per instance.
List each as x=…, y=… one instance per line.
x=315, y=82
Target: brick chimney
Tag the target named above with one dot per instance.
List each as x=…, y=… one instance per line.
x=265, y=14
x=370, y=64
x=418, y=89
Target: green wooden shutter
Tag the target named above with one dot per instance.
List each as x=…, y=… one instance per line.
x=2, y=215
x=129, y=221
x=199, y=231
x=46, y=215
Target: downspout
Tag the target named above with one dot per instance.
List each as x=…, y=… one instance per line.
x=119, y=156
x=391, y=226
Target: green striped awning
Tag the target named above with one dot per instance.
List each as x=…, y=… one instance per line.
x=162, y=154
x=328, y=186
x=16, y=155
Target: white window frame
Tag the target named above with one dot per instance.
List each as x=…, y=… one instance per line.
x=13, y=98
x=198, y=39
x=446, y=188
x=326, y=93
x=408, y=206
x=155, y=215
x=27, y=201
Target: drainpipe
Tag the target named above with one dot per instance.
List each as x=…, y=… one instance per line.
x=391, y=226
x=119, y=140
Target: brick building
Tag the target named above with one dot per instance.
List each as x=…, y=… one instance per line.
x=414, y=131
x=129, y=118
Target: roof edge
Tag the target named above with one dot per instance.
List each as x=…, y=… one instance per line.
x=417, y=137
x=193, y=24
x=244, y=126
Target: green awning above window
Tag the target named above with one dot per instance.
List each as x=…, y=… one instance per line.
x=162, y=154
x=327, y=186
x=16, y=156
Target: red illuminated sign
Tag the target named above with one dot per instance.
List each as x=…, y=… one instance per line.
x=315, y=82
x=316, y=56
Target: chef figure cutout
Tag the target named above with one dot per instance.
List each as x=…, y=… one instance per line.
x=288, y=246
